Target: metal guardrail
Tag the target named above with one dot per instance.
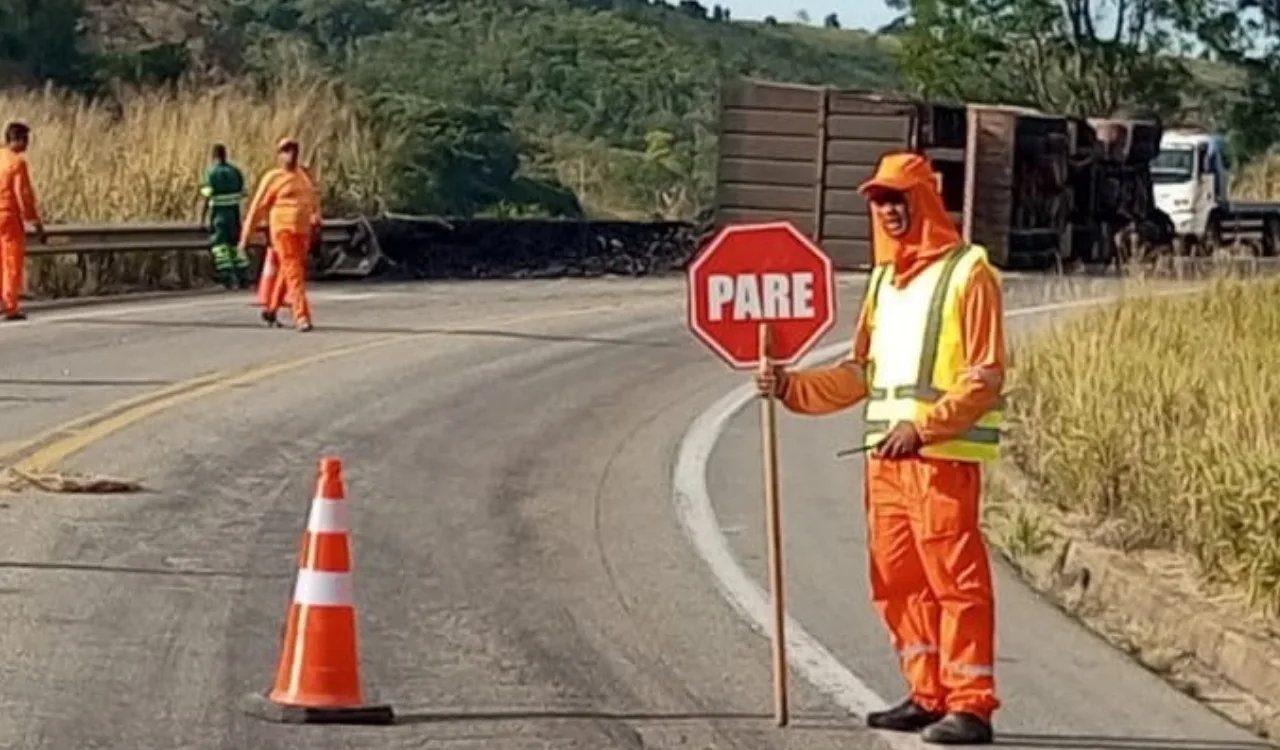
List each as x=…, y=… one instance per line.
x=77, y=239
x=347, y=247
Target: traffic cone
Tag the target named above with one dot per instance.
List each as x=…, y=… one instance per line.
x=268, y=279
x=318, y=675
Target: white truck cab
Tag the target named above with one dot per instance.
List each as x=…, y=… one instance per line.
x=1189, y=178
x=1191, y=182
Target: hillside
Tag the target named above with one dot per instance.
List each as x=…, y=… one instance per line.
x=501, y=107
x=613, y=99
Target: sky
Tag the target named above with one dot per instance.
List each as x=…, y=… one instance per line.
x=853, y=14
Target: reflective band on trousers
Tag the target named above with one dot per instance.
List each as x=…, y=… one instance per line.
x=889, y=404
x=972, y=670
x=917, y=649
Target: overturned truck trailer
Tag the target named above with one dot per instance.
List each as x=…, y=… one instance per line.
x=1035, y=189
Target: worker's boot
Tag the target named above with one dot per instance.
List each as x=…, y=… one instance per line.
x=17, y=315
x=907, y=716
x=221, y=270
x=304, y=325
x=958, y=729
x=240, y=272
x=269, y=317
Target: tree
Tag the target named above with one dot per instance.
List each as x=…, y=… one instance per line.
x=45, y=39
x=452, y=160
x=831, y=21
x=802, y=16
x=1070, y=56
x=1244, y=34
x=1098, y=59
x=693, y=9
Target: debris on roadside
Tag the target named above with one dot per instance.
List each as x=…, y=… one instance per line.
x=15, y=479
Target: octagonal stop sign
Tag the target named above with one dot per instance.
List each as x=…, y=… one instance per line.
x=761, y=273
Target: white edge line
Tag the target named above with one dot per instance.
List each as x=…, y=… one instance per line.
x=805, y=654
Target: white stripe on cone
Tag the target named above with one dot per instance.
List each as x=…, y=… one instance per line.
x=322, y=589
x=328, y=516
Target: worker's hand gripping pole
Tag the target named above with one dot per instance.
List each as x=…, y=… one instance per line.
x=773, y=521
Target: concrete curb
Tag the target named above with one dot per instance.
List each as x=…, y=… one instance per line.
x=1181, y=633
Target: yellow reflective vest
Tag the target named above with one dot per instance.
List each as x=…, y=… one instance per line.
x=917, y=353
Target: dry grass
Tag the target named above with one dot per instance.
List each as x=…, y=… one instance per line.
x=1259, y=180
x=140, y=158
x=1157, y=420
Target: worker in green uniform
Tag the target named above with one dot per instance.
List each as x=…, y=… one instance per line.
x=223, y=191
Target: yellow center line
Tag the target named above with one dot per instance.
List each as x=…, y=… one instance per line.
x=47, y=449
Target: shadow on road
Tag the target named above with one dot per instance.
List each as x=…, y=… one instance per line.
x=136, y=570
x=388, y=331
x=533, y=714
x=1097, y=742
x=821, y=722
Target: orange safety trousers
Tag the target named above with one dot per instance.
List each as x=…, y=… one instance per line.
x=13, y=262
x=277, y=278
x=931, y=579
x=291, y=249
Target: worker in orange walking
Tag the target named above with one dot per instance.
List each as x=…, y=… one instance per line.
x=278, y=278
x=929, y=356
x=288, y=200
x=17, y=208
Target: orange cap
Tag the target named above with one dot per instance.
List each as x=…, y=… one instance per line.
x=899, y=172
x=932, y=232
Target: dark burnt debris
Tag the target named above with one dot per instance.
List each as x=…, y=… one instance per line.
x=428, y=248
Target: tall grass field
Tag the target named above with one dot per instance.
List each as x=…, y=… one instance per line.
x=140, y=158
x=1157, y=421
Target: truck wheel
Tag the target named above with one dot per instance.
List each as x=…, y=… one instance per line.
x=1186, y=245
x=1270, y=236
x=1212, y=237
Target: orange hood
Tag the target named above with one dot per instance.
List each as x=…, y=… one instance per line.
x=931, y=232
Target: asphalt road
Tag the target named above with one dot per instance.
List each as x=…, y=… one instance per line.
x=523, y=576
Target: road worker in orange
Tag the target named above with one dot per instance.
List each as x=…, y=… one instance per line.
x=17, y=208
x=288, y=200
x=278, y=278
x=929, y=356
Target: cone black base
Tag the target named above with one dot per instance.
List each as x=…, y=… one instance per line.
x=257, y=705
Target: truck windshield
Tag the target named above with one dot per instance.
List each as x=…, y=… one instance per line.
x=1172, y=165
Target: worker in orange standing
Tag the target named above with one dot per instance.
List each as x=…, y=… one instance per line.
x=17, y=207
x=929, y=356
x=287, y=198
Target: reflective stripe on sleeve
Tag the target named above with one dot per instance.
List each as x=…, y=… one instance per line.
x=984, y=435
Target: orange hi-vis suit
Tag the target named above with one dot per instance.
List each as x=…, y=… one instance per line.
x=287, y=198
x=928, y=348
x=277, y=279
x=17, y=206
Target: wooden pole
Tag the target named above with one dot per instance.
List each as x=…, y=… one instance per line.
x=773, y=522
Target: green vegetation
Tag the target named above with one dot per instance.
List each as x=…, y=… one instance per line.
x=599, y=107
x=1153, y=422
x=1216, y=62
x=477, y=106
